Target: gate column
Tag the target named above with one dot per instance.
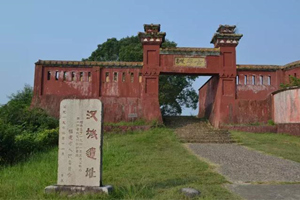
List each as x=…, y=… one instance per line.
x=151, y=40
x=227, y=40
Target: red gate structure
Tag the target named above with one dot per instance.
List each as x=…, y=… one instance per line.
x=129, y=90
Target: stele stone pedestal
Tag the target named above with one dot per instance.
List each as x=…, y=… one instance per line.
x=80, y=148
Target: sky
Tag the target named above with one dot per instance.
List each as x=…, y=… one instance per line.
x=71, y=29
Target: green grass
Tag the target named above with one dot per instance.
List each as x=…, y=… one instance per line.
x=281, y=145
x=140, y=165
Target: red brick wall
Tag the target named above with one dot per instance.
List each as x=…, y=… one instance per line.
x=255, y=90
x=67, y=81
x=251, y=111
x=121, y=94
x=291, y=72
x=208, y=102
x=124, y=82
x=252, y=129
x=290, y=128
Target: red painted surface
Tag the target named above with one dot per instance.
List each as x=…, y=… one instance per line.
x=252, y=111
x=287, y=106
x=256, y=90
x=252, y=129
x=287, y=128
x=208, y=103
x=130, y=90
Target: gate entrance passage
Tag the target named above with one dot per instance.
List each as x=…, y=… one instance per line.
x=129, y=90
x=218, y=62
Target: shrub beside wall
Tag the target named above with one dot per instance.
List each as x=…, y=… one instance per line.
x=24, y=130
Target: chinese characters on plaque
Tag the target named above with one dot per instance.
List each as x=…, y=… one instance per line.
x=190, y=62
x=79, y=159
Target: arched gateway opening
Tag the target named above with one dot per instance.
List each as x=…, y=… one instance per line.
x=217, y=95
x=178, y=94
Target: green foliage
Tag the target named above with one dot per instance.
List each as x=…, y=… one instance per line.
x=174, y=91
x=293, y=81
x=24, y=130
x=271, y=122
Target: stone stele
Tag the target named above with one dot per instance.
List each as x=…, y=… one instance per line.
x=80, y=148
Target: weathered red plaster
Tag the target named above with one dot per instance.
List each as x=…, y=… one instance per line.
x=287, y=106
x=252, y=129
x=287, y=128
x=129, y=90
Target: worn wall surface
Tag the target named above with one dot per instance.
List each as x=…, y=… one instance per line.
x=289, y=128
x=252, y=111
x=256, y=85
x=121, y=82
x=67, y=81
x=119, y=89
x=287, y=106
x=207, y=99
x=252, y=128
x=295, y=72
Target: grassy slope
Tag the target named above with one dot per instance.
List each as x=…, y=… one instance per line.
x=150, y=164
x=285, y=146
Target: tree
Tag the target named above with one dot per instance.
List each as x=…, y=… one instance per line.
x=174, y=91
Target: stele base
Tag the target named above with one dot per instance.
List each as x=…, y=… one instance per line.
x=74, y=189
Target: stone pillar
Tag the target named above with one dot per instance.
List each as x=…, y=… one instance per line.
x=96, y=81
x=151, y=40
x=227, y=40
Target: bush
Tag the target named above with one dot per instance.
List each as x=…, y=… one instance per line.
x=24, y=130
x=293, y=82
x=7, y=142
x=271, y=122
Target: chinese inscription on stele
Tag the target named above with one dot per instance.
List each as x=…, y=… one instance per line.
x=190, y=62
x=79, y=158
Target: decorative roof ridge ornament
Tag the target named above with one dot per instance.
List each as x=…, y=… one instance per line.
x=226, y=29
x=226, y=36
x=151, y=28
x=152, y=34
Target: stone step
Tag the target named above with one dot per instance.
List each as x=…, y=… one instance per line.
x=194, y=130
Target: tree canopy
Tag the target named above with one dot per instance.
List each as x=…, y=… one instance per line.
x=174, y=90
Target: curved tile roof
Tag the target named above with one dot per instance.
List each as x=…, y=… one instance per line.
x=258, y=67
x=269, y=67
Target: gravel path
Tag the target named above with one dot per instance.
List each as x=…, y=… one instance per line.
x=241, y=165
